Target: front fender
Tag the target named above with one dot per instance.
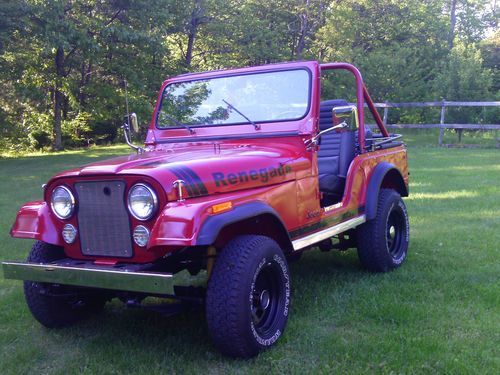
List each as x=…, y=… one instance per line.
x=34, y=221
x=214, y=224
x=177, y=225
x=182, y=224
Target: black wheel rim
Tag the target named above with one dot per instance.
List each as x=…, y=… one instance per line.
x=267, y=296
x=394, y=234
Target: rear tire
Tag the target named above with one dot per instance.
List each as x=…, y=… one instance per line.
x=383, y=241
x=57, y=306
x=248, y=296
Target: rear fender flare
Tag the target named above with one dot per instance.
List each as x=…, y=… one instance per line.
x=384, y=174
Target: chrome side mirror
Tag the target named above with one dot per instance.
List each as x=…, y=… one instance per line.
x=131, y=122
x=314, y=140
x=134, y=123
x=342, y=117
x=345, y=114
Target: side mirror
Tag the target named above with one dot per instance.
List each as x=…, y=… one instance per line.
x=315, y=140
x=346, y=114
x=344, y=117
x=134, y=123
x=131, y=122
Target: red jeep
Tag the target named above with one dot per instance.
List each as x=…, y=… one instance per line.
x=241, y=171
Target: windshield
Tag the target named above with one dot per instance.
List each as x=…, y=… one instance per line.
x=259, y=97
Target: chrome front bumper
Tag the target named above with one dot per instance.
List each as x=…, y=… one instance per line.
x=102, y=277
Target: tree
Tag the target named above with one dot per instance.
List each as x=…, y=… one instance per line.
x=396, y=44
x=64, y=62
x=76, y=54
x=462, y=77
x=453, y=21
x=490, y=52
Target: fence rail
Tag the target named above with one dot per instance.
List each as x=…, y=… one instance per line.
x=442, y=125
x=443, y=103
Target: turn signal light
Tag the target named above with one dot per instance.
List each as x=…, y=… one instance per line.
x=221, y=207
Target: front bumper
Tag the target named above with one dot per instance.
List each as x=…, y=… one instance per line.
x=104, y=277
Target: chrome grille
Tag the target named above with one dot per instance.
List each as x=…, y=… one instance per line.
x=103, y=221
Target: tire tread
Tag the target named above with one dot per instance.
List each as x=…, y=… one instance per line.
x=371, y=239
x=223, y=295
x=53, y=312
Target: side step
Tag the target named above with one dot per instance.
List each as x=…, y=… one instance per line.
x=316, y=237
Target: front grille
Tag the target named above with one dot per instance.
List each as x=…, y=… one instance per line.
x=103, y=219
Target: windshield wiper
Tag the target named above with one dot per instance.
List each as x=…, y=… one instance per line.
x=256, y=126
x=177, y=122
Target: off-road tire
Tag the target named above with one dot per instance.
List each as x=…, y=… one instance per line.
x=251, y=272
x=383, y=241
x=50, y=309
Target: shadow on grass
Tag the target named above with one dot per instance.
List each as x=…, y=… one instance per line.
x=140, y=332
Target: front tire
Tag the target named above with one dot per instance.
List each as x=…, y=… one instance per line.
x=57, y=306
x=383, y=241
x=248, y=296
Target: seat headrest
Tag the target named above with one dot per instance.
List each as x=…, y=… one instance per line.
x=328, y=105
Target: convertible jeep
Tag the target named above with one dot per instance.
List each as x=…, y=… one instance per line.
x=241, y=171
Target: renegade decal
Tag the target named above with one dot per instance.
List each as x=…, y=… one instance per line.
x=263, y=175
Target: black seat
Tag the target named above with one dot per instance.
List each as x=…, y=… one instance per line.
x=336, y=151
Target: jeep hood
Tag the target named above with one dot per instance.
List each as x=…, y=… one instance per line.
x=205, y=169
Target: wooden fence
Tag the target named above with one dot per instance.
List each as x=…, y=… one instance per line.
x=442, y=125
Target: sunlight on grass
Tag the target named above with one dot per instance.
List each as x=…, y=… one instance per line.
x=419, y=184
x=444, y=195
x=26, y=178
x=491, y=215
x=92, y=152
x=491, y=167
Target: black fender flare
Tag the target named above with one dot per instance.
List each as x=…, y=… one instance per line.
x=214, y=224
x=381, y=171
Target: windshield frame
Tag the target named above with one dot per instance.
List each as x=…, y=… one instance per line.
x=233, y=74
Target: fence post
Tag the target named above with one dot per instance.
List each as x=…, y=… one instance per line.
x=386, y=110
x=441, y=122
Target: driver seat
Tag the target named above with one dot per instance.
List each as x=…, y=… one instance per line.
x=336, y=152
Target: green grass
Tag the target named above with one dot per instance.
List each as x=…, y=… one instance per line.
x=438, y=313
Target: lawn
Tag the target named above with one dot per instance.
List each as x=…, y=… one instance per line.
x=439, y=313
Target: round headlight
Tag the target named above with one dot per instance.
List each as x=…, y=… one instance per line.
x=142, y=202
x=62, y=202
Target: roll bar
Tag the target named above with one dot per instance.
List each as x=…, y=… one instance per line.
x=362, y=97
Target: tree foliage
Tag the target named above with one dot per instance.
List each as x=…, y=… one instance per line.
x=64, y=62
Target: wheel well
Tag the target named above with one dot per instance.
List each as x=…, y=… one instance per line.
x=394, y=180
x=385, y=176
x=264, y=224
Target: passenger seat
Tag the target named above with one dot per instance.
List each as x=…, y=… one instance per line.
x=336, y=152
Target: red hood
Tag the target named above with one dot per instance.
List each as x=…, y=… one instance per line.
x=207, y=168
